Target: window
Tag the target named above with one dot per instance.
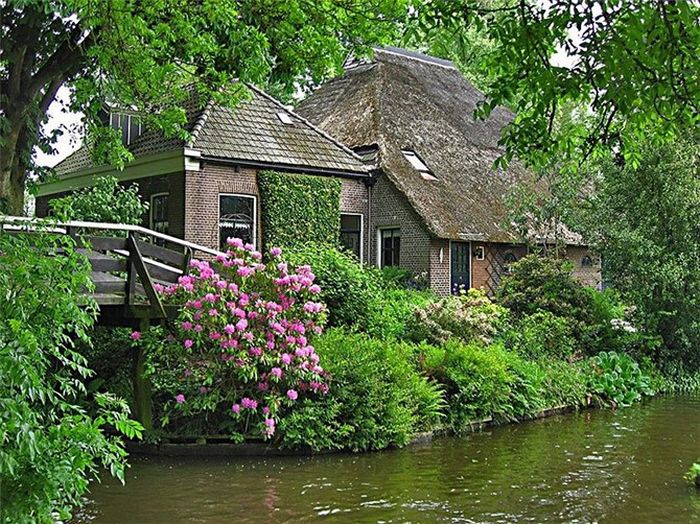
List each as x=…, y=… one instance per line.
x=418, y=164
x=159, y=213
x=129, y=125
x=351, y=233
x=285, y=118
x=586, y=261
x=390, y=240
x=236, y=218
x=479, y=252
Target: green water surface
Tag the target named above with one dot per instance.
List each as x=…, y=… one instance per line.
x=596, y=466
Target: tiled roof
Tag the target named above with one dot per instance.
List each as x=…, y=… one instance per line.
x=251, y=132
x=254, y=132
x=407, y=101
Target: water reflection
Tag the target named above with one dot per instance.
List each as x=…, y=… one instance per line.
x=596, y=466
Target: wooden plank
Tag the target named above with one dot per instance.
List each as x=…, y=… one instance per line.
x=169, y=256
x=108, y=264
x=99, y=243
x=137, y=260
x=106, y=283
x=162, y=272
x=108, y=299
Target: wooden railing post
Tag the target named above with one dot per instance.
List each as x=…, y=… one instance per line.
x=131, y=275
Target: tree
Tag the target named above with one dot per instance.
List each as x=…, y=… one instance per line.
x=145, y=54
x=50, y=446
x=106, y=201
x=645, y=222
x=632, y=68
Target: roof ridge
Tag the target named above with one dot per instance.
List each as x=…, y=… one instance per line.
x=199, y=123
x=417, y=56
x=325, y=135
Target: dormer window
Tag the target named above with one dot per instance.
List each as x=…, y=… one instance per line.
x=130, y=126
x=418, y=164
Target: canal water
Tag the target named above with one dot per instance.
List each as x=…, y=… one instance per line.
x=596, y=466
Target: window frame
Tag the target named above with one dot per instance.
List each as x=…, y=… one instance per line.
x=380, y=245
x=362, y=231
x=151, y=222
x=255, y=216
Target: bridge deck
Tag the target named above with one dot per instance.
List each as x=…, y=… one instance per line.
x=127, y=261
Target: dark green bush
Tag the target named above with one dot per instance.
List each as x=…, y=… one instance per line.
x=298, y=210
x=542, y=334
x=376, y=399
x=109, y=356
x=347, y=288
x=492, y=382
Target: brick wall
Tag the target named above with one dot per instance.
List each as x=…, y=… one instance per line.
x=389, y=208
x=202, y=189
x=439, y=274
x=354, y=198
x=588, y=276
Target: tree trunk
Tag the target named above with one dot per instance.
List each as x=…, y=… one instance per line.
x=12, y=172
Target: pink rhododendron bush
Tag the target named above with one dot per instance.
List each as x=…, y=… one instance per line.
x=239, y=355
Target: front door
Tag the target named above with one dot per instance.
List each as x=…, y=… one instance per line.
x=459, y=266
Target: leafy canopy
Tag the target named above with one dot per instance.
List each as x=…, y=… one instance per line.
x=633, y=70
x=143, y=55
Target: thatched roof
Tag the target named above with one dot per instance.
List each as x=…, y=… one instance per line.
x=253, y=132
x=407, y=101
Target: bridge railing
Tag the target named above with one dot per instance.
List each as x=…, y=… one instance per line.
x=126, y=264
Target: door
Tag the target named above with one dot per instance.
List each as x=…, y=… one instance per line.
x=460, y=267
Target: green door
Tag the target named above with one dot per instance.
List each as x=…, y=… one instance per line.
x=460, y=266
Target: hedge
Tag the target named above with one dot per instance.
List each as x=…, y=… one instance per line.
x=299, y=210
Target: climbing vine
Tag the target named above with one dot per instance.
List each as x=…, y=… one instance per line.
x=299, y=210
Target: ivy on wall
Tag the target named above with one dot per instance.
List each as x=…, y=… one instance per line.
x=298, y=210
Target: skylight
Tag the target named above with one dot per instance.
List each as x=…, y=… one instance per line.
x=285, y=118
x=418, y=164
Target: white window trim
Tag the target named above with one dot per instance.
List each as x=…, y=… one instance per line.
x=449, y=263
x=150, y=210
x=379, y=242
x=362, y=232
x=255, y=215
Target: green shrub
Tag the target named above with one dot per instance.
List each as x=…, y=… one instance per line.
x=391, y=312
x=347, y=289
x=298, y=210
x=105, y=201
x=49, y=445
x=109, y=356
x=542, y=334
x=492, y=382
x=616, y=379
x=400, y=277
x=477, y=379
x=469, y=317
x=376, y=399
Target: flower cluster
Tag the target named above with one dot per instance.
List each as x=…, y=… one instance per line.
x=242, y=341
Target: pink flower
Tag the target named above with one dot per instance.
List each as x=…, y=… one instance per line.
x=180, y=398
x=188, y=343
x=236, y=408
x=244, y=271
x=198, y=328
x=213, y=312
x=229, y=329
x=315, y=289
x=249, y=403
x=235, y=242
x=276, y=251
x=135, y=335
x=286, y=359
x=276, y=372
x=186, y=325
x=242, y=324
x=292, y=395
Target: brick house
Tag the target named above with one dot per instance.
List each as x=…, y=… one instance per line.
x=206, y=190
x=437, y=206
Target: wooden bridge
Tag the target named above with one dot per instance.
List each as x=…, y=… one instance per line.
x=127, y=262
